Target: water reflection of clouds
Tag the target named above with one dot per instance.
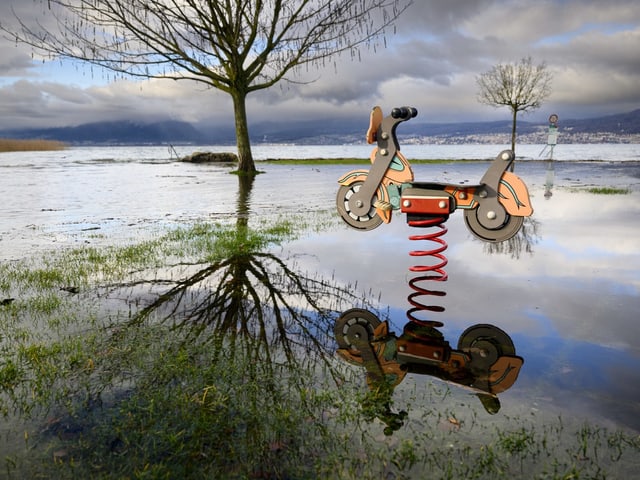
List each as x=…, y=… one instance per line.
x=582, y=276
x=574, y=327
x=583, y=235
x=588, y=379
x=570, y=306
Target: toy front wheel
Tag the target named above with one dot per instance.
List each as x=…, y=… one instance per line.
x=369, y=221
x=508, y=229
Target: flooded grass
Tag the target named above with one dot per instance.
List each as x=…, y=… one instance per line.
x=127, y=362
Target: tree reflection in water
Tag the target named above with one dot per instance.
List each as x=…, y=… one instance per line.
x=484, y=361
x=248, y=340
x=247, y=293
x=520, y=243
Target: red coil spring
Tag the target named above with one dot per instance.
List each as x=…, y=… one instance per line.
x=434, y=272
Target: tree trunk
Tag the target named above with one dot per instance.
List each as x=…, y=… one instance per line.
x=513, y=138
x=513, y=131
x=245, y=158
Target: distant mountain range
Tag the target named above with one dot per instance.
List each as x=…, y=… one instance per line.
x=116, y=133
x=624, y=127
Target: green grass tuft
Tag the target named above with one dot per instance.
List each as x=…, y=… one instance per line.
x=608, y=191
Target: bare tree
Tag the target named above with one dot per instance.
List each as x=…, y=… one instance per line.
x=236, y=46
x=521, y=86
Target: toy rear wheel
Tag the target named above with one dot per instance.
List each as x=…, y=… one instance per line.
x=354, y=326
x=369, y=221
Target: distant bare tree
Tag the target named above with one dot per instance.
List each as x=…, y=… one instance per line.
x=236, y=46
x=520, y=86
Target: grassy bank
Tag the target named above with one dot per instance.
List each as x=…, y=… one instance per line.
x=14, y=145
x=356, y=161
x=202, y=354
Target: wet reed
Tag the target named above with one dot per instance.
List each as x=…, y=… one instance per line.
x=32, y=145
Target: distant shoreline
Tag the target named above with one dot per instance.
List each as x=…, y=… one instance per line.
x=414, y=161
x=333, y=155
x=33, y=145
x=356, y=161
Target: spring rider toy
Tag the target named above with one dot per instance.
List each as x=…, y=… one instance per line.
x=485, y=359
x=494, y=209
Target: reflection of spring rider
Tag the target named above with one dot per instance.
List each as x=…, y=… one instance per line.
x=494, y=210
x=484, y=361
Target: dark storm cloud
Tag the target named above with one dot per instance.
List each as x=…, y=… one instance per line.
x=430, y=61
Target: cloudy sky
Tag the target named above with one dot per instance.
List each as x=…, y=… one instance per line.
x=591, y=47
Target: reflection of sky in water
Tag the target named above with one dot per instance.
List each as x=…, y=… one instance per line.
x=571, y=306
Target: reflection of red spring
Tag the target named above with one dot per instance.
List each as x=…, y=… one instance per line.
x=435, y=271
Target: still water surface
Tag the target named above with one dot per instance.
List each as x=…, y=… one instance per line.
x=569, y=297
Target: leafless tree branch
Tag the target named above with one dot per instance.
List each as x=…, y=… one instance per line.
x=521, y=86
x=236, y=46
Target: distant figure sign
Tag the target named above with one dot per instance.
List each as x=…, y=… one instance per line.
x=552, y=139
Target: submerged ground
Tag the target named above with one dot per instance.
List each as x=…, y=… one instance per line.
x=166, y=320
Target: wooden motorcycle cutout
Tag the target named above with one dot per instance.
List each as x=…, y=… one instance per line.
x=494, y=209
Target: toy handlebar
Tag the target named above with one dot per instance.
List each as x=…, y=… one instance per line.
x=404, y=113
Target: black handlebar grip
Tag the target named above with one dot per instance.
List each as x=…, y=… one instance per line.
x=404, y=113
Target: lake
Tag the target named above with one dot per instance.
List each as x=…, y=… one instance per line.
x=568, y=296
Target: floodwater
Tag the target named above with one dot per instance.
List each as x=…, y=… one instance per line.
x=567, y=294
